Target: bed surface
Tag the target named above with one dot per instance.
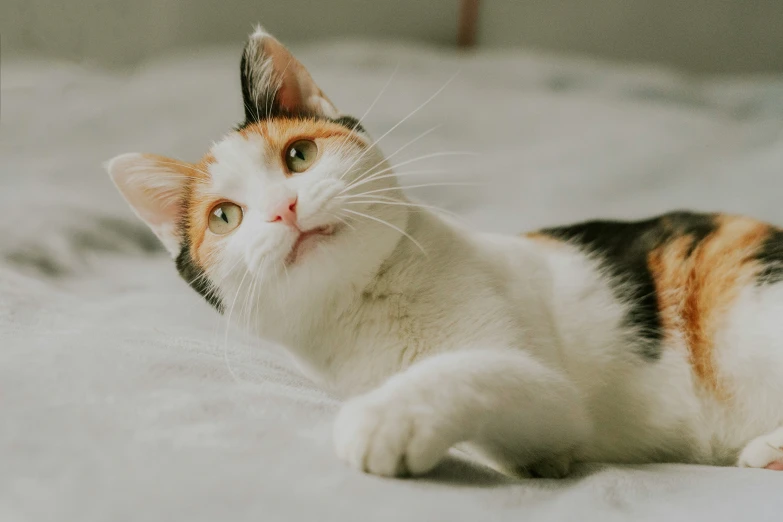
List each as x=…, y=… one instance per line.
x=116, y=398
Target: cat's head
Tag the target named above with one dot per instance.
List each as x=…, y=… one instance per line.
x=275, y=203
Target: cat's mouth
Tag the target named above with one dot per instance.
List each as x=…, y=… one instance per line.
x=307, y=240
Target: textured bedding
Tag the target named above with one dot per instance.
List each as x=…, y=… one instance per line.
x=123, y=397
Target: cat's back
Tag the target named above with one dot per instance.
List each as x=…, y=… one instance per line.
x=698, y=297
x=680, y=273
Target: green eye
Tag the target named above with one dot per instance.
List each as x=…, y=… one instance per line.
x=300, y=155
x=224, y=217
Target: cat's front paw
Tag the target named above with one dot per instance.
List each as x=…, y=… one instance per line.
x=389, y=437
x=764, y=452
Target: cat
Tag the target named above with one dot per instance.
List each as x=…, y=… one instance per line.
x=628, y=342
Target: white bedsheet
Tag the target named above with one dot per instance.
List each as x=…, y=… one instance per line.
x=116, y=399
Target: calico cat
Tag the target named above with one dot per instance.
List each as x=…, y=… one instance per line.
x=649, y=341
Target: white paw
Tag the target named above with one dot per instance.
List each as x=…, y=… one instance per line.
x=762, y=451
x=390, y=437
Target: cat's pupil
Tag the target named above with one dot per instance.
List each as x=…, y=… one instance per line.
x=296, y=153
x=222, y=215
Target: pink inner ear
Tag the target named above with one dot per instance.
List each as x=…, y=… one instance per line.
x=289, y=97
x=153, y=186
x=297, y=88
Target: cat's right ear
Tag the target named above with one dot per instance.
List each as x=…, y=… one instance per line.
x=275, y=83
x=154, y=186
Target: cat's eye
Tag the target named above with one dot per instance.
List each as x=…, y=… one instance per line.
x=224, y=217
x=300, y=155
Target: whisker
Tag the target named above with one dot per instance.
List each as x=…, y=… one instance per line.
x=386, y=158
x=345, y=222
x=247, y=301
x=388, y=225
x=407, y=162
x=377, y=97
x=256, y=307
x=215, y=284
x=383, y=90
x=403, y=204
x=228, y=326
x=354, y=196
x=376, y=177
x=443, y=184
x=250, y=303
x=244, y=316
x=287, y=278
x=248, y=109
x=406, y=118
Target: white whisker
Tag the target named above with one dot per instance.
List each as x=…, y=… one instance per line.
x=403, y=204
x=388, y=225
x=377, y=97
x=406, y=118
x=228, y=326
x=361, y=180
x=376, y=177
x=248, y=301
x=385, y=159
x=443, y=184
x=287, y=278
x=343, y=221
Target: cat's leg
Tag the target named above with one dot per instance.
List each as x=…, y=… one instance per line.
x=764, y=452
x=516, y=410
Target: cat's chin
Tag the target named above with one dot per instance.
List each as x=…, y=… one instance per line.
x=308, y=240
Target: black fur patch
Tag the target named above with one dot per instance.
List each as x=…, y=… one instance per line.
x=245, y=79
x=622, y=247
x=194, y=275
x=350, y=123
x=771, y=258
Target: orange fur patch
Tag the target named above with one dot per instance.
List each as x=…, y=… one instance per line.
x=697, y=283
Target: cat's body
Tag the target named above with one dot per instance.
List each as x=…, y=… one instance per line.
x=605, y=341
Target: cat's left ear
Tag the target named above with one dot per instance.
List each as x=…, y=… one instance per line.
x=275, y=83
x=155, y=187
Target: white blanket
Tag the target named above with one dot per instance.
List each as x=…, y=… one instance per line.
x=123, y=397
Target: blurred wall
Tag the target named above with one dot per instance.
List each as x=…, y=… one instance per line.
x=117, y=32
x=698, y=35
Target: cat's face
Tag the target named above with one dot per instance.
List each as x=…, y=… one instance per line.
x=294, y=200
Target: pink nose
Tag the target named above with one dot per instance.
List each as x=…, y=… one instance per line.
x=285, y=211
